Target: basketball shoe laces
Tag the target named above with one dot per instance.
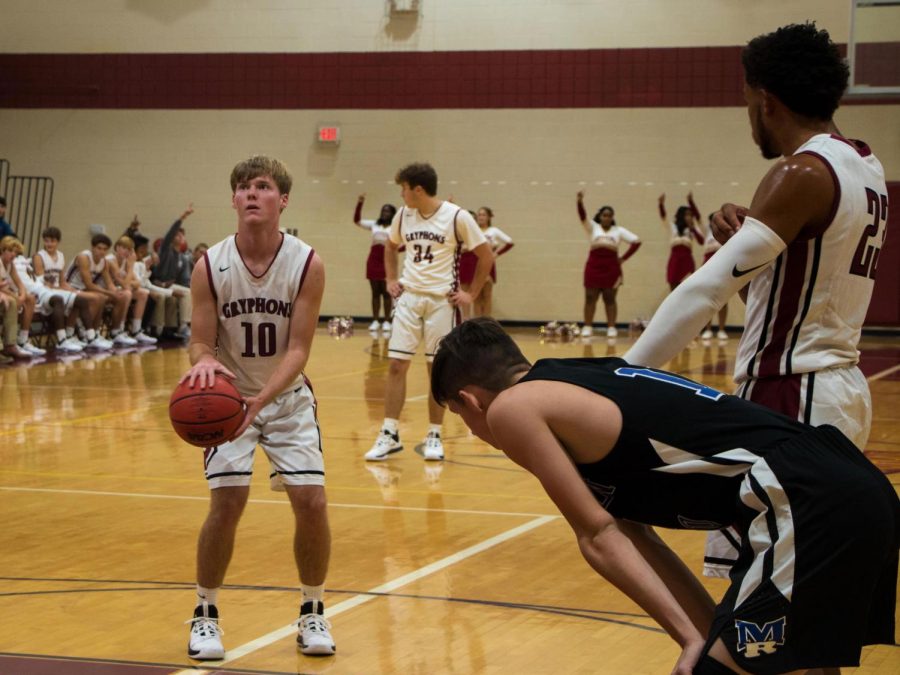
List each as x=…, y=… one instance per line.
x=205, y=627
x=314, y=623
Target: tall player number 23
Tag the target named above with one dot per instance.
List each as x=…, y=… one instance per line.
x=865, y=260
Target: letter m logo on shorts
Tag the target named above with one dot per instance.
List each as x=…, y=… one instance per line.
x=755, y=640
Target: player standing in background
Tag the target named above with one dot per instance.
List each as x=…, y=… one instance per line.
x=428, y=296
x=603, y=269
x=256, y=299
x=804, y=253
x=375, y=271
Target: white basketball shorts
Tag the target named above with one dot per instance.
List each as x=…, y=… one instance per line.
x=44, y=295
x=419, y=317
x=288, y=431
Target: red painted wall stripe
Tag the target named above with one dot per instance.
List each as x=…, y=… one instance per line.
x=593, y=78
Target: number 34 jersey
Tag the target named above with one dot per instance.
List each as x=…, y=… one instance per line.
x=255, y=311
x=805, y=312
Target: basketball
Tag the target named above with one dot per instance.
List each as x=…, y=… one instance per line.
x=206, y=417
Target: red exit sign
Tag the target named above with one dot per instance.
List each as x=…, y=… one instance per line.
x=329, y=133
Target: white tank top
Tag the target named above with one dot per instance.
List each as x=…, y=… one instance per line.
x=380, y=233
x=612, y=237
x=26, y=274
x=805, y=312
x=433, y=246
x=255, y=312
x=53, y=269
x=73, y=274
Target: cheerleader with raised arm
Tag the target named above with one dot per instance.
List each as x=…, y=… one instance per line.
x=710, y=246
x=375, y=273
x=603, y=269
x=682, y=232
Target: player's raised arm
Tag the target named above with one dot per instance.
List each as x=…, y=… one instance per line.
x=204, y=325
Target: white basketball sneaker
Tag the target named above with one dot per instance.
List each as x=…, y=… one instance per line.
x=32, y=348
x=386, y=444
x=707, y=334
x=205, y=643
x=143, y=339
x=722, y=335
x=70, y=345
x=612, y=332
x=386, y=327
x=587, y=330
x=99, y=343
x=434, y=449
x=123, y=339
x=313, y=636
x=374, y=325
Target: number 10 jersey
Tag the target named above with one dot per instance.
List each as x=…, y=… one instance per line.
x=255, y=311
x=805, y=312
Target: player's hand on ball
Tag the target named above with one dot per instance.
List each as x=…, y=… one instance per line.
x=203, y=373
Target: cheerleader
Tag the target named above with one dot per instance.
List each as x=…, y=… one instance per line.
x=500, y=243
x=710, y=246
x=681, y=232
x=603, y=269
x=375, y=273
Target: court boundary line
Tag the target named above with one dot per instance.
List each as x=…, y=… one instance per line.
x=367, y=596
x=884, y=373
x=340, y=505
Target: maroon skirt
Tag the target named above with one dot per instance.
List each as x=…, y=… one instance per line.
x=468, y=261
x=681, y=264
x=375, y=263
x=603, y=269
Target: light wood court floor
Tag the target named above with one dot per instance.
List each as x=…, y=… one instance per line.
x=460, y=567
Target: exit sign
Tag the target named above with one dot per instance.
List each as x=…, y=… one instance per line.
x=329, y=134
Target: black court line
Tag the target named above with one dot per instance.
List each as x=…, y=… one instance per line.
x=576, y=612
x=75, y=665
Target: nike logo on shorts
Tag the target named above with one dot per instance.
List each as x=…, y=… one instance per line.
x=739, y=273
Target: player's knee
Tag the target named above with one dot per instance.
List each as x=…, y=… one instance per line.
x=308, y=500
x=397, y=366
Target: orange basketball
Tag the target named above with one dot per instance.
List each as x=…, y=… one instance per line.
x=206, y=417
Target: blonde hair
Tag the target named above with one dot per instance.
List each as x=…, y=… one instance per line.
x=10, y=243
x=260, y=165
x=126, y=242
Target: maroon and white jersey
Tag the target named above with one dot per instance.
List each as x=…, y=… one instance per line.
x=611, y=238
x=53, y=267
x=805, y=312
x=255, y=311
x=73, y=274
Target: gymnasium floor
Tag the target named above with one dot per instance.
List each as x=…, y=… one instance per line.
x=460, y=567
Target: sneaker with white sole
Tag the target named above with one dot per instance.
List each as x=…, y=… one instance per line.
x=16, y=352
x=374, y=326
x=205, y=643
x=99, y=343
x=313, y=636
x=386, y=444
x=123, y=339
x=434, y=449
x=722, y=335
x=143, y=339
x=706, y=335
x=587, y=331
x=386, y=327
x=612, y=332
x=70, y=345
x=33, y=349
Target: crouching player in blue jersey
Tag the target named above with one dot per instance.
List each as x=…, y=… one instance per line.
x=620, y=449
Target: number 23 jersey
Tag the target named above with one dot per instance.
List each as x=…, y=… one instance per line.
x=255, y=312
x=805, y=312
